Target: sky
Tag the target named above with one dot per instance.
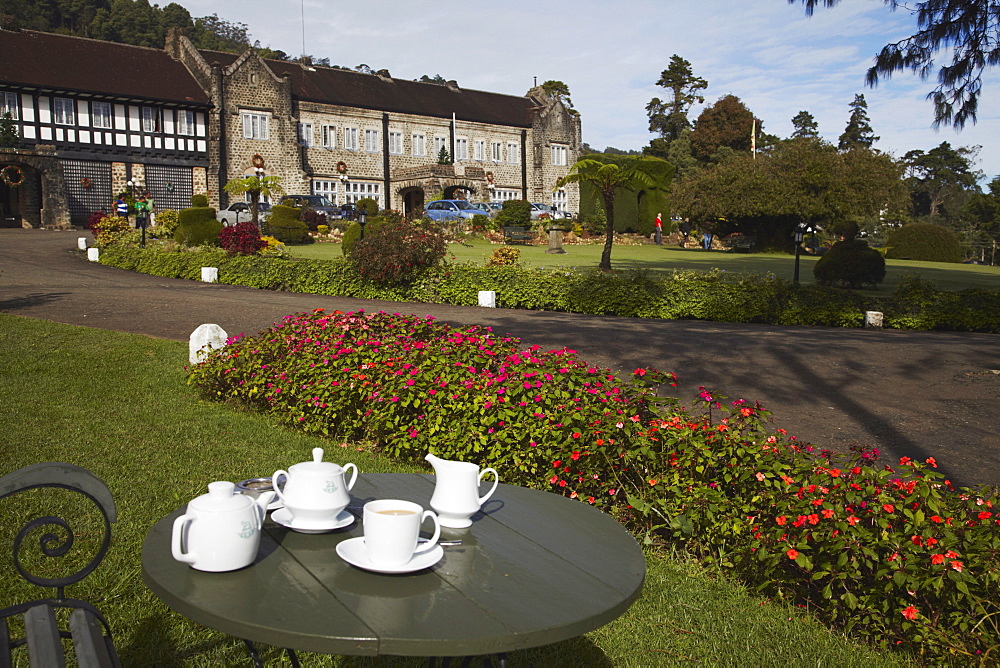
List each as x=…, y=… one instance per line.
x=766, y=52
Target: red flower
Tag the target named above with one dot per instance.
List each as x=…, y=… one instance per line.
x=792, y=554
x=916, y=540
x=957, y=565
x=781, y=520
x=909, y=613
x=888, y=507
x=852, y=520
x=813, y=518
x=827, y=513
x=931, y=542
x=937, y=558
x=932, y=462
x=985, y=515
x=856, y=470
x=936, y=519
x=834, y=473
x=903, y=461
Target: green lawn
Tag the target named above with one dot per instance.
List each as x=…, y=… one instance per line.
x=118, y=404
x=667, y=258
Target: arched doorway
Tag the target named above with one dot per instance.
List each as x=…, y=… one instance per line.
x=460, y=191
x=13, y=184
x=413, y=202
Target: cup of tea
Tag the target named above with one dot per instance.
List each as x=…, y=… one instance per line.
x=392, y=528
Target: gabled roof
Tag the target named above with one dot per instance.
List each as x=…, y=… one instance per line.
x=347, y=88
x=79, y=65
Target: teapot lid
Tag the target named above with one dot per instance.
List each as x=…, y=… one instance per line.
x=317, y=466
x=221, y=497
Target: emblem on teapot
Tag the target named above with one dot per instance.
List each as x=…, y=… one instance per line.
x=456, y=491
x=219, y=531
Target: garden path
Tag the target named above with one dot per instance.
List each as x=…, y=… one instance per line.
x=917, y=394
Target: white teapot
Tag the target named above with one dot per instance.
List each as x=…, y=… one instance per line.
x=456, y=491
x=219, y=531
x=315, y=492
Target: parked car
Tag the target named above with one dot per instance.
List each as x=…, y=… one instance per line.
x=451, y=209
x=239, y=212
x=315, y=202
x=485, y=209
x=553, y=213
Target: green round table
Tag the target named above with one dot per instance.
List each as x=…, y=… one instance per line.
x=534, y=568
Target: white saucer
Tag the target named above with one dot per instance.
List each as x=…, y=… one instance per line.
x=283, y=517
x=355, y=552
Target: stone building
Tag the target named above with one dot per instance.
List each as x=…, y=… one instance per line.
x=184, y=120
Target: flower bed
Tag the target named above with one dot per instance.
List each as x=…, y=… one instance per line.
x=892, y=554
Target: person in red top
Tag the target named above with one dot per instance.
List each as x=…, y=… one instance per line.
x=658, y=237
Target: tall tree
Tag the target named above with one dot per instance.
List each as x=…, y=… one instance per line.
x=942, y=180
x=967, y=30
x=858, y=133
x=983, y=211
x=607, y=178
x=669, y=117
x=727, y=124
x=559, y=90
x=804, y=126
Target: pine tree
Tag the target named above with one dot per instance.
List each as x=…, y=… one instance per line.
x=8, y=132
x=669, y=117
x=444, y=158
x=858, y=133
x=805, y=126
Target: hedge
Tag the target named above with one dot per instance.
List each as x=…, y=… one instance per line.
x=714, y=296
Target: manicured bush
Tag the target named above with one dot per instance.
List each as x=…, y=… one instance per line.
x=323, y=229
x=167, y=221
x=368, y=205
x=353, y=233
x=515, y=213
x=109, y=230
x=924, y=241
x=199, y=200
x=396, y=252
x=892, y=554
x=197, y=226
x=241, y=239
x=852, y=264
x=283, y=223
x=313, y=219
x=503, y=256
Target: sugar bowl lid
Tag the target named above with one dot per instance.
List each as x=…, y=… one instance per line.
x=317, y=466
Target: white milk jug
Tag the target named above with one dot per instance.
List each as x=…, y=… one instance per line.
x=456, y=491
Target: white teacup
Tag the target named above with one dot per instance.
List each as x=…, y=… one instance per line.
x=391, y=530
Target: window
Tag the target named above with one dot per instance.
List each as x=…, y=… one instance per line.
x=560, y=200
x=150, y=119
x=9, y=105
x=63, y=111
x=355, y=191
x=418, y=144
x=559, y=154
x=479, y=150
x=306, y=134
x=255, y=125
x=329, y=136
x=513, y=153
x=396, y=143
x=461, y=148
x=371, y=141
x=495, y=152
x=185, y=123
x=351, y=139
x=100, y=115
x=440, y=143
x=325, y=187
x=502, y=195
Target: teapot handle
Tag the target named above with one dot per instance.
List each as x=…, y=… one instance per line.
x=274, y=483
x=175, y=540
x=496, y=481
x=354, y=476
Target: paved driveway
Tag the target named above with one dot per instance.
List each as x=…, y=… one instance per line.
x=907, y=393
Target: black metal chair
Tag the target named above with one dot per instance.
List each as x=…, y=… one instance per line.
x=44, y=623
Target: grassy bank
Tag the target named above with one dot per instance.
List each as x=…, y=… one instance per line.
x=117, y=404
x=668, y=258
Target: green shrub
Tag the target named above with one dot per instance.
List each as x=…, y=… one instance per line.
x=353, y=233
x=918, y=304
x=199, y=200
x=283, y=224
x=109, y=230
x=515, y=213
x=323, y=229
x=481, y=223
x=503, y=256
x=166, y=223
x=924, y=241
x=396, y=252
x=851, y=264
x=368, y=205
x=391, y=215
x=197, y=226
